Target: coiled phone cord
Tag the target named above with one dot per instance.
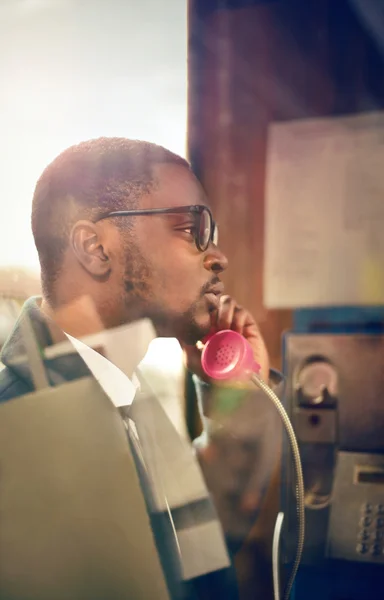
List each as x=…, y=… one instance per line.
x=299, y=490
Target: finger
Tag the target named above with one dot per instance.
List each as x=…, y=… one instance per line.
x=239, y=320
x=214, y=316
x=225, y=313
x=251, y=329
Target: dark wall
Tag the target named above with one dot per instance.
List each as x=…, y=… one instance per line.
x=253, y=62
x=250, y=63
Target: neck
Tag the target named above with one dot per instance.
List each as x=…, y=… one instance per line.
x=78, y=318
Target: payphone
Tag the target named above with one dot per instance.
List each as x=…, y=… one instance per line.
x=334, y=383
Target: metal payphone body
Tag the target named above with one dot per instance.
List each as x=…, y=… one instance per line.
x=334, y=396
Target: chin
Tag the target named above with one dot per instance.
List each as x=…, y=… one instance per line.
x=189, y=327
x=198, y=329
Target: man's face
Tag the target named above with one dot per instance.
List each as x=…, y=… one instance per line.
x=165, y=277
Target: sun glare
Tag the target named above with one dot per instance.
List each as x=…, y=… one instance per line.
x=64, y=79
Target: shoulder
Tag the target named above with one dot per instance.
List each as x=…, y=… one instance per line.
x=11, y=386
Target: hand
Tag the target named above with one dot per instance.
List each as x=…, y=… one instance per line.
x=232, y=316
x=238, y=452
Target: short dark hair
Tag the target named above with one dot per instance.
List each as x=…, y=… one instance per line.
x=84, y=181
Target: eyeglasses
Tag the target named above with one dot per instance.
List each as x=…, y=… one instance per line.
x=205, y=230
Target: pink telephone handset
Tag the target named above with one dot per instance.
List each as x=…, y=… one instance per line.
x=228, y=355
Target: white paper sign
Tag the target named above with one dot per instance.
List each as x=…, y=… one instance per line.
x=324, y=238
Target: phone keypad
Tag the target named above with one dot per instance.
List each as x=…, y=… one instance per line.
x=370, y=537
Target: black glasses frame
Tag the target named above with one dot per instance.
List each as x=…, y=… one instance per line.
x=197, y=209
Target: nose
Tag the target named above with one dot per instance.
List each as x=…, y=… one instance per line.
x=215, y=260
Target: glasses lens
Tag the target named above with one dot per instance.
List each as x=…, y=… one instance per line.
x=215, y=236
x=204, y=231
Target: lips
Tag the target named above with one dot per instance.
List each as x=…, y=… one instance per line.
x=213, y=300
x=213, y=294
x=217, y=289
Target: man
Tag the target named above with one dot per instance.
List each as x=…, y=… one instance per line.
x=127, y=225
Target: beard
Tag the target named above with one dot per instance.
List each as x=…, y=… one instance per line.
x=181, y=325
x=145, y=296
x=141, y=302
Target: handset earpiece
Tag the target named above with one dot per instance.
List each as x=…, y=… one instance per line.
x=227, y=355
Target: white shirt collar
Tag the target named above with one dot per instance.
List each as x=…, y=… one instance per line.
x=117, y=385
x=124, y=347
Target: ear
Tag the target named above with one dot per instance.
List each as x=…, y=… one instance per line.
x=87, y=245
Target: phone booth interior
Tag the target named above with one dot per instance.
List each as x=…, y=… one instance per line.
x=334, y=370
x=324, y=259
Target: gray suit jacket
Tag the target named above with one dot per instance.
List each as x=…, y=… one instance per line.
x=16, y=380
